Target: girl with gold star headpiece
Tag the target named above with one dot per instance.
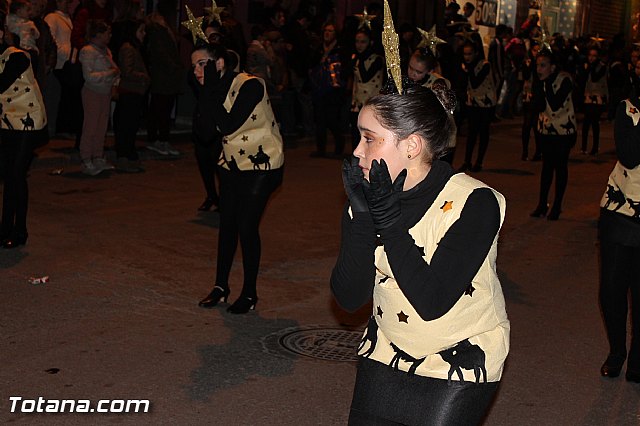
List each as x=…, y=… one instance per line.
x=421, y=241
x=234, y=117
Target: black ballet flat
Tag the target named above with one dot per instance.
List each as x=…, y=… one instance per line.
x=613, y=366
x=15, y=240
x=217, y=294
x=540, y=211
x=243, y=305
x=207, y=204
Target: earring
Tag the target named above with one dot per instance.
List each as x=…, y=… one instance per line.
x=409, y=156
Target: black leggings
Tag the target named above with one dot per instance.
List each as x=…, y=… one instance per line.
x=243, y=198
x=479, y=126
x=619, y=274
x=592, y=113
x=528, y=123
x=126, y=121
x=16, y=154
x=385, y=397
x=207, y=157
x=555, y=159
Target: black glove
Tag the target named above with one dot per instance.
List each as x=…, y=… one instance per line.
x=352, y=177
x=211, y=76
x=383, y=196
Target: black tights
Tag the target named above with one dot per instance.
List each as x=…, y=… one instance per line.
x=555, y=159
x=16, y=153
x=592, y=114
x=207, y=156
x=243, y=198
x=619, y=274
x=528, y=123
x=479, y=126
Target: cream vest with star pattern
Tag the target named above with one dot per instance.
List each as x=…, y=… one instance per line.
x=623, y=188
x=433, y=77
x=478, y=318
x=562, y=121
x=483, y=96
x=257, y=144
x=22, y=104
x=362, y=92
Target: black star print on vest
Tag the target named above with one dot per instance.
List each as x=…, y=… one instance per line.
x=624, y=172
x=233, y=93
x=245, y=138
x=8, y=100
x=383, y=280
x=241, y=152
x=402, y=317
x=30, y=104
x=420, y=250
x=225, y=141
x=379, y=312
x=254, y=117
x=27, y=89
x=470, y=290
x=273, y=123
x=15, y=89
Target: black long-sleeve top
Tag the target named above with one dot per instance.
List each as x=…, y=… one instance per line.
x=211, y=119
x=15, y=66
x=367, y=74
x=542, y=94
x=476, y=79
x=432, y=287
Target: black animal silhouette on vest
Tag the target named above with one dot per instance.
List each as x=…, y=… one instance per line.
x=552, y=130
x=403, y=356
x=569, y=126
x=260, y=158
x=370, y=336
x=614, y=196
x=467, y=356
x=28, y=123
x=487, y=100
x=635, y=205
x=6, y=121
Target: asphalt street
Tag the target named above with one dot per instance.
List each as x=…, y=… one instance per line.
x=127, y=258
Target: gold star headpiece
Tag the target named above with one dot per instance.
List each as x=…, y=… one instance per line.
x=213, y=12
x=429, y=39
x=390, y=41
x=465, y=34
x=597, y=40
x=365, y=19
x=194, y=25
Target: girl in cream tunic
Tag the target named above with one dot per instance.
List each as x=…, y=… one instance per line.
x=422, y=241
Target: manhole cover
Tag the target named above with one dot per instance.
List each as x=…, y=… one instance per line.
x=325, y=343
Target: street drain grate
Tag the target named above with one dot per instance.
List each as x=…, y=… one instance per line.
x=324, y=343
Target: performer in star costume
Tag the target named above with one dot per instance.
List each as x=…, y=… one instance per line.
x=235, y=108
x=422, y=241
x=619, y=232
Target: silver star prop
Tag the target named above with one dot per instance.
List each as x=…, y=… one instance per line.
x=194, y=25
x=213, y=12
x=429, y=39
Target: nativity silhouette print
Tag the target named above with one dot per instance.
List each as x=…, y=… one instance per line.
x=370, y=336
x=260, y=158
x=467, y=356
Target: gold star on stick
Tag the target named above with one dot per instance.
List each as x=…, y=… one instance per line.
x=544, y=40
x=429, y=39
x=214, y=12
x=597, y=39
x=365, y=19
x=194, y=25
x=391, y=51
